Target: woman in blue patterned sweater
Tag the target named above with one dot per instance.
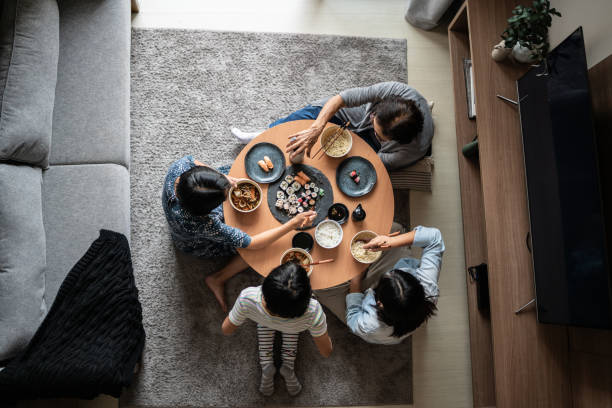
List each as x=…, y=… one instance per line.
x=192, y=199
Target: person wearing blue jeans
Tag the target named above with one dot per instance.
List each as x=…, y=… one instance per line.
x=392, y=117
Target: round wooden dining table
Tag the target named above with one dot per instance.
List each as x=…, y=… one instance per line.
x=378, y=204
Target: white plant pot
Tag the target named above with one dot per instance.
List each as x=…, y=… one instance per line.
x=522, y=54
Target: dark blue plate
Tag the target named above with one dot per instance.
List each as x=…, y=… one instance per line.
x=367, y=176
x=256, y=154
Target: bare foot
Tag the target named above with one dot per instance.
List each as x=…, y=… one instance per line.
x=217, y=290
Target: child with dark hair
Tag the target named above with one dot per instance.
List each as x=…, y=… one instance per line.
x=192, y=199
x=405, y=297
x=282, y=303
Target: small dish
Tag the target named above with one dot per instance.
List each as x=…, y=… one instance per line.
x=234, y=199
x=328, y=234
x=344, y=140
x=338, y=212
x=303, y=240
x=300, y=251
x=356, y=251
x=365, y=172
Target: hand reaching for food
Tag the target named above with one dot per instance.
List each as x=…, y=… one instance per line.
x=304, y=219
x=232, y=180
x=303, y=141
x=379, y=243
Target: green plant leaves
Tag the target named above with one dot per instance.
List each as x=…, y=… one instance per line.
x=529, y=27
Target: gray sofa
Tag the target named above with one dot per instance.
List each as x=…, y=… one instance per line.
x=64, y=147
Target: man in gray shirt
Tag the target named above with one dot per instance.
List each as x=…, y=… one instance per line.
x=392, y=117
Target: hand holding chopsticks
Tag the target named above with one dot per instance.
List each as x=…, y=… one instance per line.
x=380, y=242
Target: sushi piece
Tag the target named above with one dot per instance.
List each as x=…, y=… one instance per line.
x=263, y=166
x=279, y=204
x=308, y=193
x=316, y=189
x=304, y=176
x=284, y=185
x=292, y=210
x=290, y=190
x=321, y=192
x=353, y=174
x=356, y=180
x=311, y=202
x=296, y=186
x=300, y=180
x=300, y=209
x=305, y=203
x=268, y=163
x=299, y=200
x=289, y=179
x=286, y=205
x=313, y=194
x=293, y=198
x=280, y=195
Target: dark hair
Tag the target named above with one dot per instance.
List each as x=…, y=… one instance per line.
x=287, y=290
x=400, y=119
x=404, y=305
x=201, y=189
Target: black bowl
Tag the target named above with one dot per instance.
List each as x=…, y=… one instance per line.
x=303, y=240
x=338, y=212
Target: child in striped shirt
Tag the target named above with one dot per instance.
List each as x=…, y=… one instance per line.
x=282, y=303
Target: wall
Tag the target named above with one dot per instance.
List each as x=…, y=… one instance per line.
x=595, y=18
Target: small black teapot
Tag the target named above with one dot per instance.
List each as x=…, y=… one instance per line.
x=359, y=213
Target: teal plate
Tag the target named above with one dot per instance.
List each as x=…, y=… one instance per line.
x=367, y=176
x=256, y=154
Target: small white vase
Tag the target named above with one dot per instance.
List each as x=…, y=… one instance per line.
x=523, y=54
x=500, y=52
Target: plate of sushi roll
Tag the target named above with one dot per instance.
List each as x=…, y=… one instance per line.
x=264, y=163
x=302, y=188
x=356, y=176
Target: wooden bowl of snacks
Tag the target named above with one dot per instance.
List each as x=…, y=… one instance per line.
x=364, y=255
x=297, y=255
x=341, y=146
x=246, y=196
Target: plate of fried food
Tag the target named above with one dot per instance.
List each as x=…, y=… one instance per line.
x=264, y=163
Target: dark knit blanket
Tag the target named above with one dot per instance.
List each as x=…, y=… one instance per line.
x=92, y=337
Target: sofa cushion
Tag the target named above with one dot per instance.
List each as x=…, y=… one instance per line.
x=91, y=117
x=29, y=47
x=22, y=257
x=79, y=201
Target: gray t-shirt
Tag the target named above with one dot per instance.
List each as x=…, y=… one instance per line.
x=359, y=101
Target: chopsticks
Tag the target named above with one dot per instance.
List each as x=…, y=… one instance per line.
x=320, y=262
x=331, y=140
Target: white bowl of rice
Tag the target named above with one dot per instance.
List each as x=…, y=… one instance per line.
x=341, y=146
x=328, y=234
x=364, y=255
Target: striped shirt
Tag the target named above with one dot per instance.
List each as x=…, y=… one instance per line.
x=249, y=305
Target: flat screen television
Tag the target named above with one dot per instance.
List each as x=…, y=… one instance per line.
x=564, y=191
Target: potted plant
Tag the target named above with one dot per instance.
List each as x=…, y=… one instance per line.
x=527, y=32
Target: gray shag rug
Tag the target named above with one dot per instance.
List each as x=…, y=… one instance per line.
x=188, y=88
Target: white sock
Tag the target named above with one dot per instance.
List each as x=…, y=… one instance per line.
x=293, y=384
x=266, y=387
x=244, y=137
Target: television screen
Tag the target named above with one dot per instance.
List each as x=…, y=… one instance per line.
x=568, y=239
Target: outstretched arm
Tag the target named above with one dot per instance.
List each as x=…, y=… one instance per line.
x=304, y=140
x=265, y=238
